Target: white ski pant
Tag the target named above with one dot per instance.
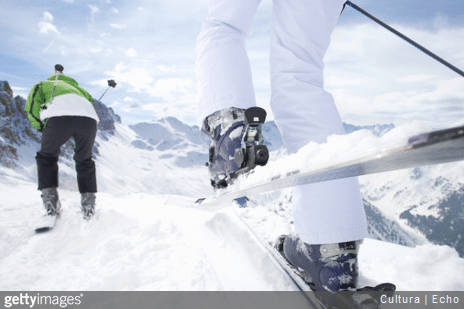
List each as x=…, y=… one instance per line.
x=329, y=212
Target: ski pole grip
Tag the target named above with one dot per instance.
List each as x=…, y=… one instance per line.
x=111, y=83
x=59, y=68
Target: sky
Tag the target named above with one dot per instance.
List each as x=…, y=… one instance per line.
x=148, y=48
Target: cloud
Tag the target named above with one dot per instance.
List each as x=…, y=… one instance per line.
x=154, y=93
x=118, y=26
x=173, y=89
x=93, y=9
x=46, y=24
x=138, y=78
x=149, y=49
x=376, y=77
x=131, y=52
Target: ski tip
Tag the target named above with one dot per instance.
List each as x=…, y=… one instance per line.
x=200, y=200
x=43, y=229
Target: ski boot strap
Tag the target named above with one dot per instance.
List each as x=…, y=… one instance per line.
x=331, y=250
x=225, y=118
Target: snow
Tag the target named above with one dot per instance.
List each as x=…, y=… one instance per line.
x=338, y=149
x=149, y=235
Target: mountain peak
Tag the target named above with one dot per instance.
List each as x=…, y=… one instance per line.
x=5, y=87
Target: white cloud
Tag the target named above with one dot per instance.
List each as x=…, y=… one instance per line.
x=131, y=52
x=137, y=77
x=46, y=24
x=118, y=26
x=93, y=9
x=149, y=49
x=172, y=89
x=376, y=77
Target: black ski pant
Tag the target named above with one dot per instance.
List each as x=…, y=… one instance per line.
x=56, y=133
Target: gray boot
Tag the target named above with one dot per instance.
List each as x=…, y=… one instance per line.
x=51, y=201
x=88, y=205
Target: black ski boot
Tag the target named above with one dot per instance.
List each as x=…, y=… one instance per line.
x=88, y=205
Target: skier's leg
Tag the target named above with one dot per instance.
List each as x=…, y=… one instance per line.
x=85, y=130
x=330, y=212
x=222, y=66
x=54, y=135
x=224, y=81
x=300, y=36
x=84, y=136
x=47, y=170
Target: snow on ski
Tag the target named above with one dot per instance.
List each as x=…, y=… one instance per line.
x=431, y=148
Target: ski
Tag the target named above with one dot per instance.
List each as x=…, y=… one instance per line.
x=431, y=148
x=47, y=224
x=366, y=297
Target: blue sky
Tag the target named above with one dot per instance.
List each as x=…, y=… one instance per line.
x=148, y=47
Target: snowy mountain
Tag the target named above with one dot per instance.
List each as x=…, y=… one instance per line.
x=428, y=200
x=149, y=174
x=378, y=129
x=15, y=129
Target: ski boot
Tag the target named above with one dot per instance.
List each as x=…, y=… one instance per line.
x=237, y=143
x=51, y=202
x=52, y=206
x=331, y=271
x=331, y=267
x=88, y=205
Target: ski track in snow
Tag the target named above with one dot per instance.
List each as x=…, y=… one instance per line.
x=137, y=242
x=141, y=241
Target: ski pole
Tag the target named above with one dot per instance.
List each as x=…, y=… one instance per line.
x=111, y=83
x=415, y=44
x=58, y=70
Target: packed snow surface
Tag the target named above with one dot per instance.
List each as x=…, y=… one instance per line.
x=149, y=234
x=142, y=241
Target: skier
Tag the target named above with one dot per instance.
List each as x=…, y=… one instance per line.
x=329, y=217
x=60, y=109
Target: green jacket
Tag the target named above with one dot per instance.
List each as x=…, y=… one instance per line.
x=41, y=94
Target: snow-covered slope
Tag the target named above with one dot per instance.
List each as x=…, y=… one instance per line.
x=149, y=235
x=143, y=241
